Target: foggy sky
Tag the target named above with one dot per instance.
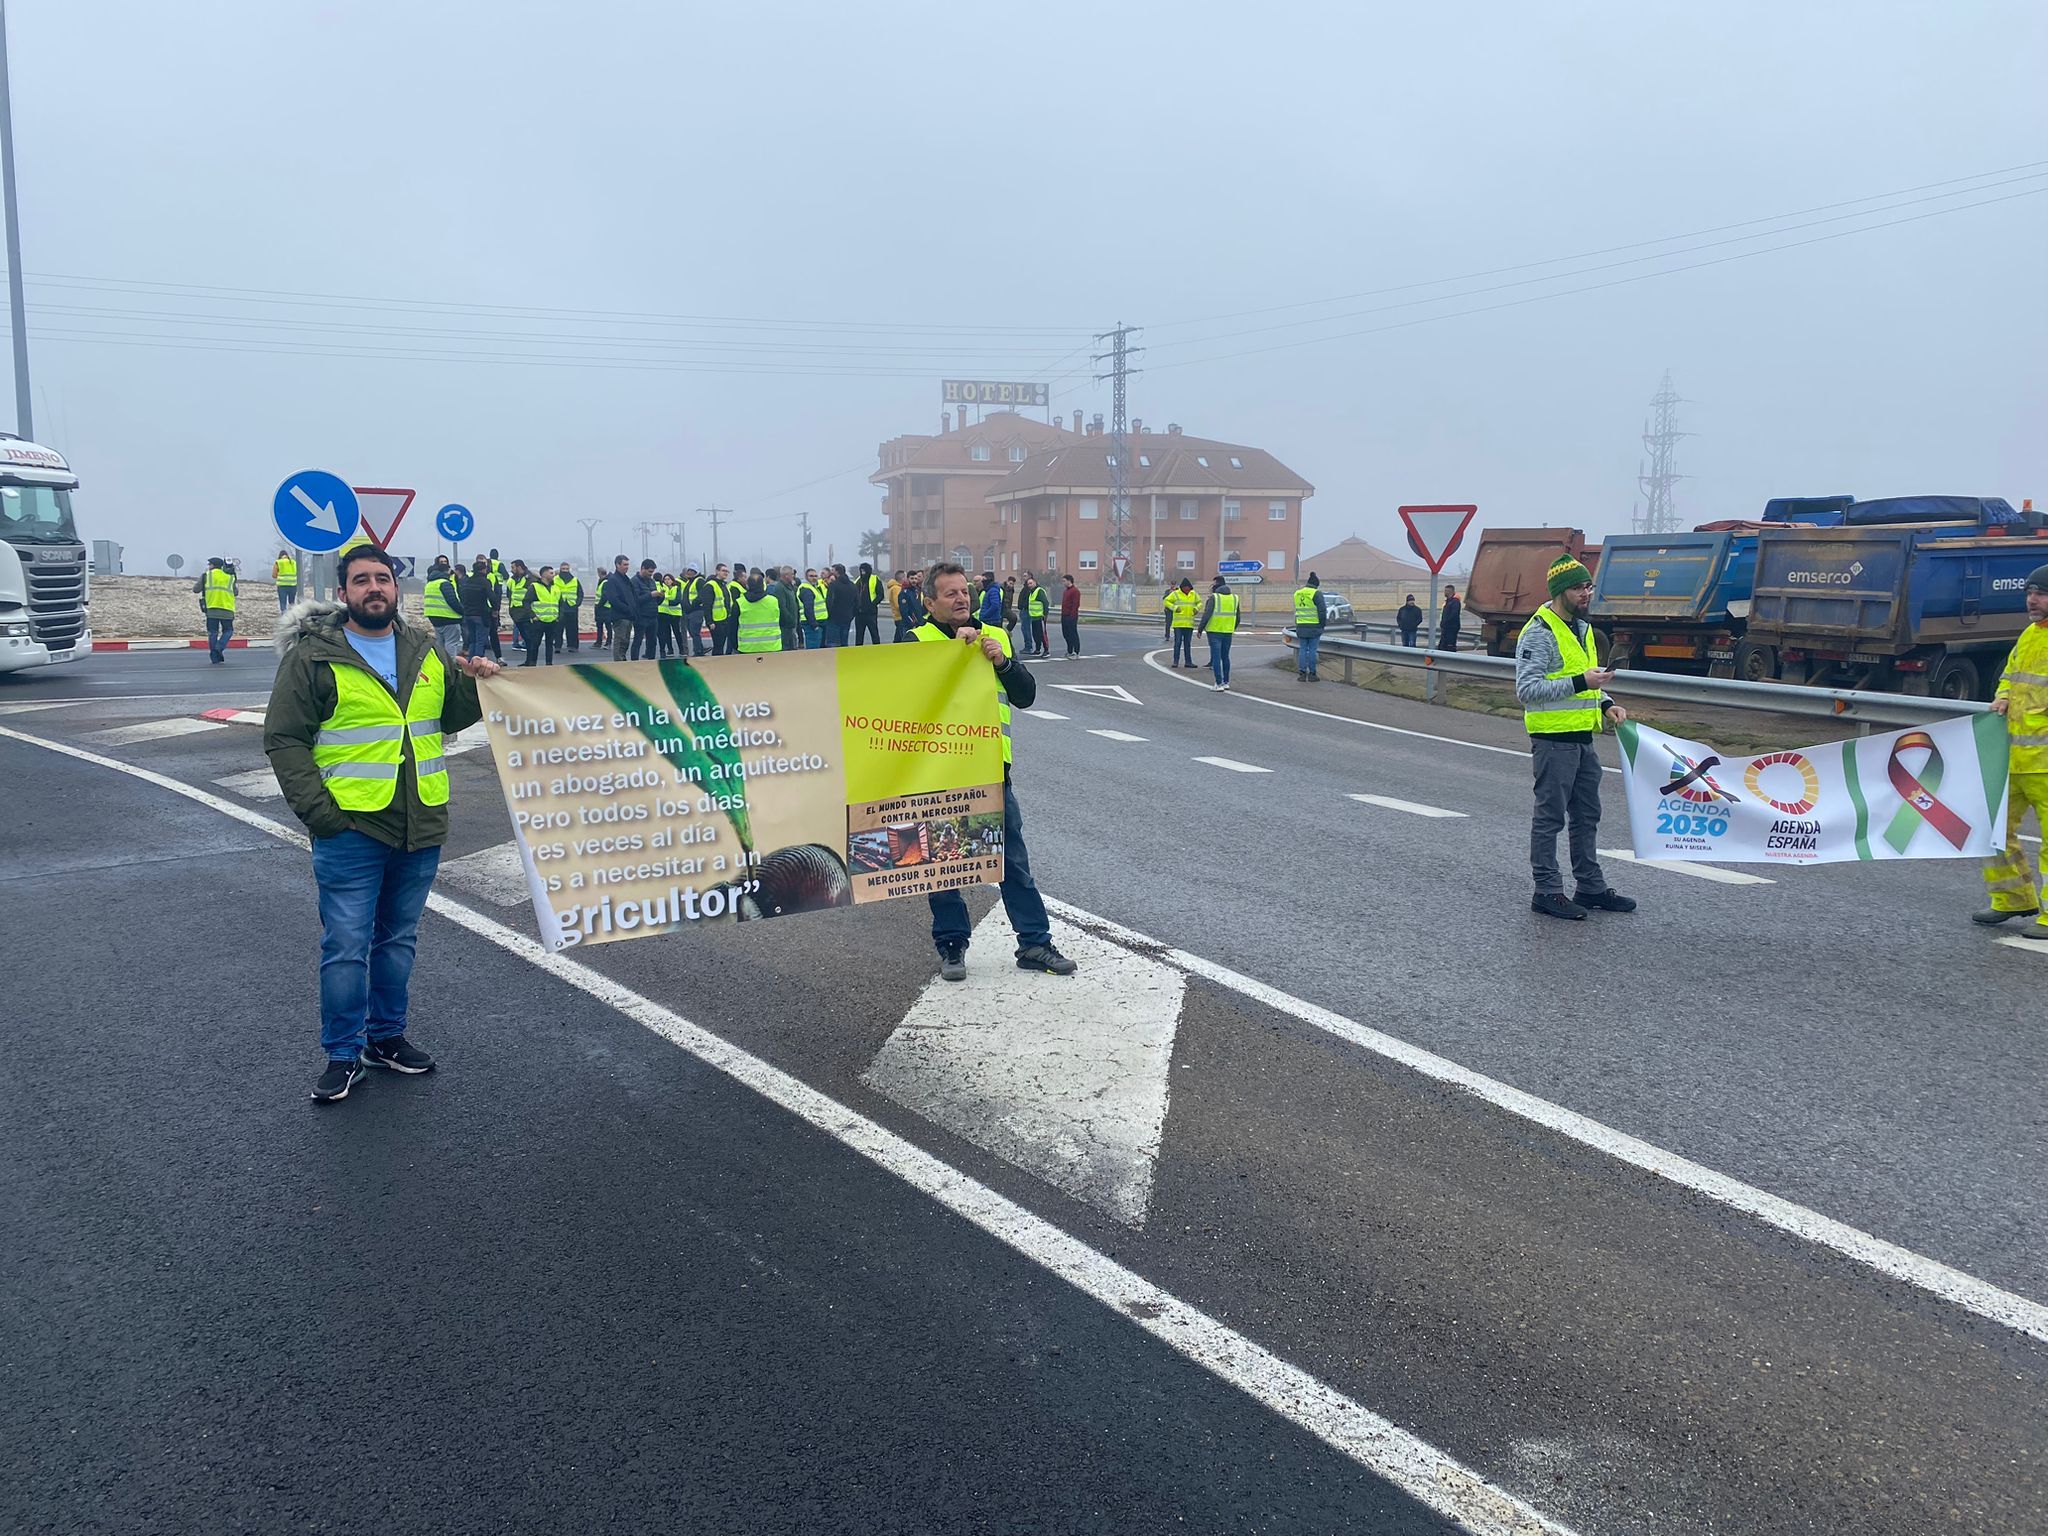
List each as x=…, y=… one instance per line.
x=1049, y=168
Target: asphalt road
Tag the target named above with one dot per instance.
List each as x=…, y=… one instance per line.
x=581, y=1278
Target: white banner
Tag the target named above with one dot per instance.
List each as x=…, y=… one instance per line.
x=1932, y=792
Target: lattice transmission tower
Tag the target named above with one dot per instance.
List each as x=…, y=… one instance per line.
x=1658, y=511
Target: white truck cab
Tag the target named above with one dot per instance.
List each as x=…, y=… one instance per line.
x=43, y=580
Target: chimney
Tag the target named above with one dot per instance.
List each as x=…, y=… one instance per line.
x=1137, y=427
x=1077, y=421
x=945, y=422
x=1095, y=426
x=1173, y=429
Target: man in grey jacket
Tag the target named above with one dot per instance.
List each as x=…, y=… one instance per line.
x=1560, y=683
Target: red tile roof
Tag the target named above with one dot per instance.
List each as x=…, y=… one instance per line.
x=1159, y=462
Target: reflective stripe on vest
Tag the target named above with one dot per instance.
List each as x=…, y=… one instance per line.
x=760, y=625
x=1305, y=605
x=568, y=591
x=670, y=601
x=714, y=600
x=440, y=599
x=1581, y=712
x=1223, y=620
x=286, y=572
x=362, y=744
x=220, y=590
x=516, y=589
x=1034, y=604
x=2024, y=687
x=545, y=607
x=931, y=631
x=1183, y=606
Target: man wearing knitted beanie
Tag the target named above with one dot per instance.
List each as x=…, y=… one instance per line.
x=2016, y=882
x=1560, y=684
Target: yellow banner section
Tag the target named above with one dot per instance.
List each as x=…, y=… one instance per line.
x=650, y=796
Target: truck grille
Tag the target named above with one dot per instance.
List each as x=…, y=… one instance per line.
x=56, y=596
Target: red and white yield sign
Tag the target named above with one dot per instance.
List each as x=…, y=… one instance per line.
x=1434, y=533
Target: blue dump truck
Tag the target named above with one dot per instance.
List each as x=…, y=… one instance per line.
x=1679, y=602
x=1913, y=594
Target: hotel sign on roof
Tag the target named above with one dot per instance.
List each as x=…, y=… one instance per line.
x=992, y=392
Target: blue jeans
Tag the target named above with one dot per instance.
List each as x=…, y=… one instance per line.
x=1021, y=902
x=814, y=637
x=1183, y=646
x=286, y=596
x=476, y=635
x=220, y=628
x=1308, y=642
x=1219, y=657
x=371, y=898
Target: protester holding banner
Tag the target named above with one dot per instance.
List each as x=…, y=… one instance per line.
x=1559, y=684
x=950, y=606
x=358, y=713
x=2016, y=889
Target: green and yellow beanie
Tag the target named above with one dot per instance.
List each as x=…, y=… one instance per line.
x=1566, y=574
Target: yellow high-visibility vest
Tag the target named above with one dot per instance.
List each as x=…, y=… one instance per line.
x=1580, y=712
x=715, y=600
x=568, y=591
x=545, y=608
x=760, y=625
x=1183, y=606
x=931, y=631
x=220, y=589
x=285, y=571
x=440, y=601
x=362, y=744
x=516, y=589
x=1223, y=618
x=1305, y=606
x=2024, y=687
x=669, y=600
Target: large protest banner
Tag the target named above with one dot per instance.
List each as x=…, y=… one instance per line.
x=649, y=796
x=1933, y=792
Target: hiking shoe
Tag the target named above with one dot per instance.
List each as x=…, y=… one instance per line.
x=1994, y=918
x=397, y=1054
x=1555, y=905
x=336, y=1081
x=1301, y=677
x=953, y=962
x=1605, y=901
x=1043, y=957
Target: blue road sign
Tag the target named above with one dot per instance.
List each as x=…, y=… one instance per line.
x=454, y=523
x=1239, y=567
x=316, y=512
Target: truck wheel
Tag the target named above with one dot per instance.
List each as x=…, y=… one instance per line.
x=1954, y=678
x=1621, y=659
x=1755, y=663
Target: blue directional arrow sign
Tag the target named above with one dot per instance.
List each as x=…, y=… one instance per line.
x=454, y=523
x=1239, y=567
x=316, y=512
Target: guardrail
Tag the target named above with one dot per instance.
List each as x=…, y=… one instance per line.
x=1866, y=709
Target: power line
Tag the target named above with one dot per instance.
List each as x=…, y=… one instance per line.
x=1635, y=245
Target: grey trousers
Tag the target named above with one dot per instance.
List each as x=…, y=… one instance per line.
x=622, y=636
x=1567, y=793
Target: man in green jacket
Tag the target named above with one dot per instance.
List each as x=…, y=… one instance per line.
x=354, y=734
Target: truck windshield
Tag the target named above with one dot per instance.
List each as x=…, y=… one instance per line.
x=36, y=514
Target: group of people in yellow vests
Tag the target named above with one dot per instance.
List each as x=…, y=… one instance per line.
x=1215, y=616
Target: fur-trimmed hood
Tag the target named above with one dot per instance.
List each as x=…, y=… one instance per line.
x=301, y=617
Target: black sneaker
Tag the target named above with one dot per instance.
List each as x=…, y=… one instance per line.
x=953, y=962
x=1555, y=905
x=1043, y=957
x=1605, y=901
x=398, y=1055
x=336, y=1081
x=1994, y=918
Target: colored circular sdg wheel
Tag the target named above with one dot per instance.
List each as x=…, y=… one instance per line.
x=1954, y=678
x=1755, y=663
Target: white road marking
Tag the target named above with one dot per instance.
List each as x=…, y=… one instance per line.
x=1039, y=714
x=497, y=874
x=256, y=784
x=1116, y=735
x=1412, y=807
x=151, y=730
x=1151, y=660
x=468, y=739
x=1232, y=764
x=2028, y=946
x=1687, y=867
x=1412, y=1464
x=29, y=709
x=1103, y=690
x=1063, y=1076
x=1965, y=1290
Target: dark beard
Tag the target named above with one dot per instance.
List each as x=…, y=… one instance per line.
x=363, y=619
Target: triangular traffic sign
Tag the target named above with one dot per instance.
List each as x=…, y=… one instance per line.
x=1435, y=532
x=384, y=539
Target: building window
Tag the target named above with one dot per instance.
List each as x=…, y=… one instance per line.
x=1201, y=461
x=1052, y=558
x=1189, y=511
x=1276, y=511
x=1144, y=461
x=1109, y=459
x=1184, y=561
x=1236, y=462
x=1016, y=453
x=1276, y=559
x=1087, y=560
x=988, y=561
x=1232, y=510
x=978, y=452
x=1090, y=508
